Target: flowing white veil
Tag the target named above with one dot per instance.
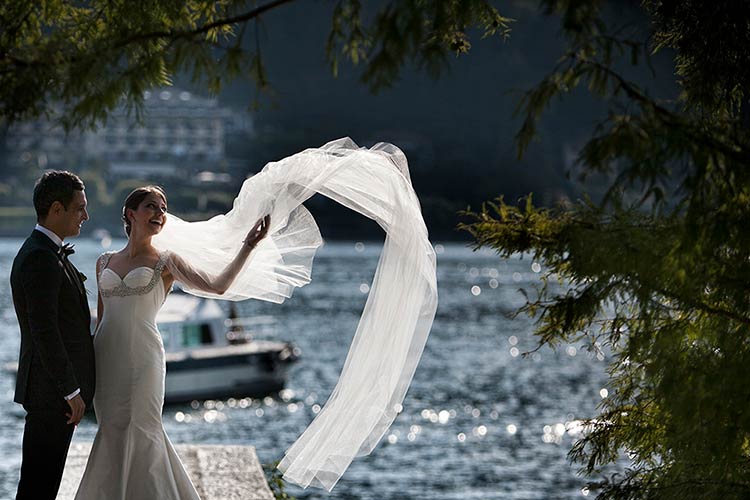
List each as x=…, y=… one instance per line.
x=400, y=308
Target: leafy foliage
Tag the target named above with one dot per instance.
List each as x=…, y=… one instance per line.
x=276, y=481
x=658, y=270
x=86, y=57
x=423, y=30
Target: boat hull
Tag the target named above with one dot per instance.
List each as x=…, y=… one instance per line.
x=244, y=376
x=237, y=371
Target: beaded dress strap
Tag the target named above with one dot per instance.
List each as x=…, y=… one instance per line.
x=104, y=258
x=161, y=264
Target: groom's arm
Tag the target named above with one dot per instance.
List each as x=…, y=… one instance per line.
x=42, y=279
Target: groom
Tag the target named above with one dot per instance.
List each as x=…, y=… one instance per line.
x=55, y=380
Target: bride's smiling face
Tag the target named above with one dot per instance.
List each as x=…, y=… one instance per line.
x=151, y=214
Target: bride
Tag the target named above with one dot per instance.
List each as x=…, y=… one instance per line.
x=131, y=456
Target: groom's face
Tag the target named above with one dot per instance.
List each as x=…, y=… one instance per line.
x=74, y=216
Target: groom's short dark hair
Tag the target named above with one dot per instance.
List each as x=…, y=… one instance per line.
x=55, y=185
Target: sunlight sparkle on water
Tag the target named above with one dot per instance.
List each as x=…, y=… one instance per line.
x=574, y=427
x=364, y=288
x=552, y=434
x=514, y=351
x=493, y=283
x=512, y=429
x=479, y=431
x=286, y=394
x=513, y=340
x=475, y=290
x=212, y=416
x=536, y=267
x=604, y=393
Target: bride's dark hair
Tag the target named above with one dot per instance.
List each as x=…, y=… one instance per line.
x=135, y=198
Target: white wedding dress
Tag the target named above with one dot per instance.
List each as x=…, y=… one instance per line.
x=132, y=457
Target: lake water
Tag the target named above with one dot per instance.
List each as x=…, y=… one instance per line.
x=480, y=420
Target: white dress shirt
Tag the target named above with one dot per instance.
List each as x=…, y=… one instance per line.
x=57, y=241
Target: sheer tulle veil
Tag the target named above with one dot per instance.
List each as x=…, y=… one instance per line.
x=400, y=308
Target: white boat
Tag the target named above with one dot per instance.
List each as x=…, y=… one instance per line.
x=210, y=355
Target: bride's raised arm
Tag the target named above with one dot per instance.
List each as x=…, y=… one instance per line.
x=181, y=270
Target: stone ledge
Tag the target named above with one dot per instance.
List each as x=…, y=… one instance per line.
x=217, y=471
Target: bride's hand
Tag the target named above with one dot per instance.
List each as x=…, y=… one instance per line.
x=258, y=232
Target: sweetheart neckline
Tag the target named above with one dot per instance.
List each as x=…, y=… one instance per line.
x=153, y=270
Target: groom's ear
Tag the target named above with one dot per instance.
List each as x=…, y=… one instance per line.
x=56, y=208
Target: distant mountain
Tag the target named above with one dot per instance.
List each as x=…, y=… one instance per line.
x=458, y=131
x=462, y=122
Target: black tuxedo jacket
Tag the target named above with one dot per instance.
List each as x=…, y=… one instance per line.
x=57, y=351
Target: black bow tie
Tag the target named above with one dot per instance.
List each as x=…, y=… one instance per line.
x=65, y=250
